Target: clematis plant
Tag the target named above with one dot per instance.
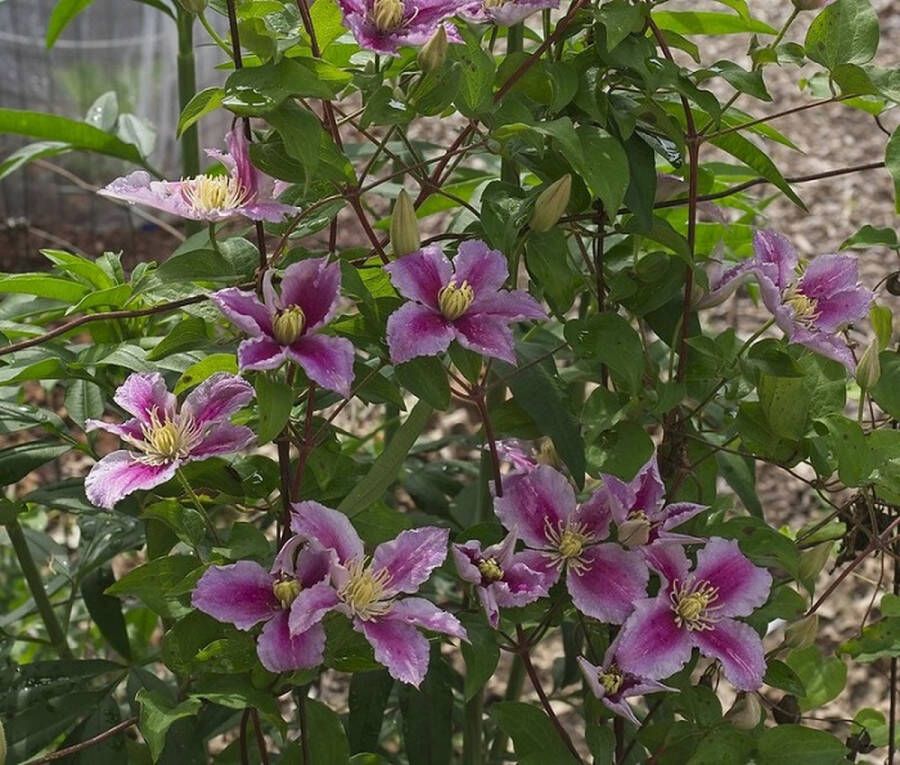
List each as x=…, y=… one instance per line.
x=695, y=608
x=371, y=591
x=244, y=191
x=287, y=326
x=245, y=594
x=503, y=578
x=161, y=437
x=463, y=301
x=603, y=578
x=505, y=13
x=384, y=26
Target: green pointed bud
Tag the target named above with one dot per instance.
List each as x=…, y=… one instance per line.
x=551, y=204
x=868, y=371
x=193, y=6
x=387, y=14
x=746, y=712
x=434, y=53
x=404, y=226
x=286, y=591
x=801, y=633
x=289, y=325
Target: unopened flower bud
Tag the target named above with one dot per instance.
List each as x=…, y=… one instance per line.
x=547, y=454
x=551, y=204
x=635, y=531
x=193, y=6
x=404, y=226
x=434, y=53
x=289, y=325
x=746, y=712
x=868, y=372
x=387, y=14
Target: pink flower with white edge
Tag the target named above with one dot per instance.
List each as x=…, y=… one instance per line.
x=287, y=326
x=245, y=594
x=372, y=592
x=503, y=578
x=463, y=301
x=696, y=609
x=163, y=437
x=603, y=578
x=244, y=191
x=386, y=25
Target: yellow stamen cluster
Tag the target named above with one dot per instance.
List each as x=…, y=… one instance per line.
x=805, y=308
x=635, y=531
x=387, y=15
x=286, y=591
x=166, y=440
x=214, y=193
x=365, y=591
x=495, y=3
x=490, y=570
x=568, y=541
x=611, y=679
x=289, y=324
x=692, y=604
x=455, y=301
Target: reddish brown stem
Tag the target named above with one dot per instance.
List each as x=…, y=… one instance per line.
x=87, y=743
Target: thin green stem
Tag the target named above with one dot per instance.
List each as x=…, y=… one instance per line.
x=473, y=747
x=199, y=505
x=216, y=38
x=36, y=585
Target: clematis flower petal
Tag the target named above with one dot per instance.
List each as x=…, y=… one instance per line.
x=649, y=489
x=240, y=594
x=311, y=605
x=668, y=560
x=827, y=275
x=411, y=557
x=534, y=501
x=742, y=586
x=830, y=346
x=119, y=474
x=217, y=398
x=329, y=528
x=486, y=334
x=244, y=310
x=421, y=275
x=464, y=556
x=522, y=585
x=139, y=187
x=416, y=330
x=680, y=512
x=327, y=361
x=315, y=286
x=487, y=596
x=130, y=430
x=142, y=394
x=739, y=649
x=280, y=651
x=516, y=305
x=399, y=647
x=484, y=269
x=313, y=565
x=260, y=353
x=610, y=583
x=224, y=438
x=423, y=613
x=651, y=645
x=776, y=256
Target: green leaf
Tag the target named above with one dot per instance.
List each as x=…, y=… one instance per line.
x=384, y=472
x=14, y=417
x=780, y=675
x=481, y=653
x=740, y=475
x=80, y=267
x=878, y=640
x=709, y=23
x=42, y=285
x=604, y=168
x=327, y=741
x=197, y=373
x=887, y=392
x=428, y=715
x=187, y=334
x=84, y=401
x=823, y=678
x=274, y=400
x=892, y=162
x=797, y=745
x=883, y=323
x=846, y=32
x=105, y=610
x=255, y=91
x=426, y=378
x=152, y=582
x=535, y=739
x=80, y=135
x=157, y=716
x=369, y=693
x=63, y=13
x=743, y=149
x=848, y=443
x=609, y=339
x=300, y=131
x=19, y=460
x=204, y=102
x=749, y=82
x=39, y=150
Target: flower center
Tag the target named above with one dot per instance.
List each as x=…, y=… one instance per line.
x=495, y=3
x=455, y=301
x=611, y=679
x=167, y=440
x=286, y=591
x=365, y=592
x=568, y=541
x=387, y=15
x=635, y=531
x=214, y=193
x=691, y=603
x=490, y=570
x=806, y=309
x=289, y=324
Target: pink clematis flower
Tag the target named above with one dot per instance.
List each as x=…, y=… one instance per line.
x=505, y=13
x=212, y=198
x=462, y=301
x=370, y=591
x=812, y=307
x=385, y=25
x=603, y=579
x=162, y=437
x=694, y=609
x=245, y=594
x=639, y=509
x=502, y=577
x=613, y=686
x=286, y=327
